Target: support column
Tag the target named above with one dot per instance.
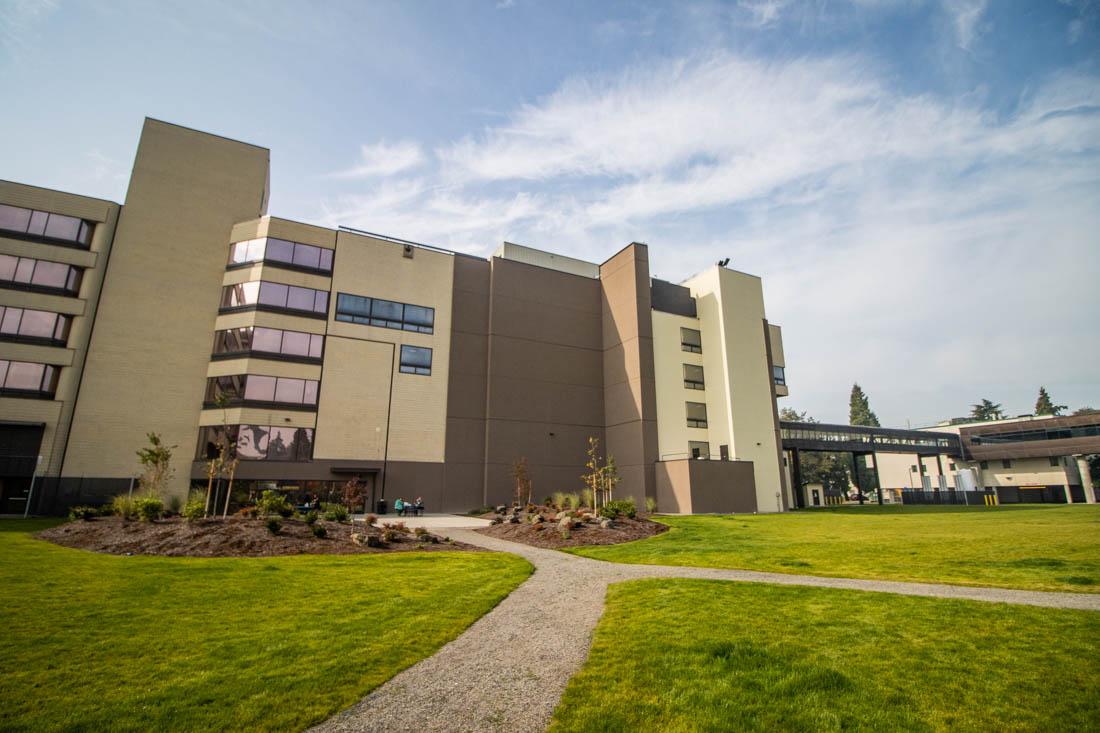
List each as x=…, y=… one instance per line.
x=1086, y=479
x=796, y=479
x=878, y=480
x=855, y=477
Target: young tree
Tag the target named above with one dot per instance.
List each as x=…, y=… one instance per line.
x=859, y=409
x=594, y=477
x=521, y=481
x=835, y=478
x=353, y=493
x=986, y=410
x=230, y=467
x=610, y=479
x=156, y=461
x=1043, y=405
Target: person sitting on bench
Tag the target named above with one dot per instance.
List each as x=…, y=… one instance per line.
x=419, y=506
x=399, y=506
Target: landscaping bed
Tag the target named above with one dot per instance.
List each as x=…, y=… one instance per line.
x=548, y=533
x=236, y=537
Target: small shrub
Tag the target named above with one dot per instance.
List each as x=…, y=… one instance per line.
x=396, y=527
x=574, y=500
x=273, y=525
x=87, y=513
x=148, y=508
x=420, y=531
x=123, y=506
x=336, y=513
x=311, y=518
x=272, y=502
x=650, y=504
x=559, y=500
x=194, y=509
x=371, y=520
x=247, y=511
x=174, y=504
x=619, y=508
x=390, y=535
x=319, y=531
x=564, y=532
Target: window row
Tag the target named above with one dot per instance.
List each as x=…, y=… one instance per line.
x=270, y=249
x=415, y=360
x=384, y=313
x=691, y=340
x=35, y=324
x=261, y=388
x=1079, y=431
x=257, y=442
x=28, y=378
x=275, y=295
x=268, y=341
x=27, y=271
x=693, y=377
x=696, y=414
x=46, y=225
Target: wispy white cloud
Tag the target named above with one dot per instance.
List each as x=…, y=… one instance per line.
x=966, y=16
x=906, y=230
x=384, y=159
x=18, y=21
x=762, y=13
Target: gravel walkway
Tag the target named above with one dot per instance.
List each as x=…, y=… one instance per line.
x=509, y=669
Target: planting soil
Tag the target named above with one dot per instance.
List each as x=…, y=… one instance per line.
x=547, y=534
x=233, y=537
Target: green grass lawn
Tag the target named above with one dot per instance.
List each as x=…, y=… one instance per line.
x=1037, y=548
x=94, y=642
x=694, y=655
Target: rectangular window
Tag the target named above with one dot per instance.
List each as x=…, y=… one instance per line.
x=696, y=414
x=693, y=376
x=58, y=228
x=779, y=375
x=1006, y=463
x=698, y=449
x=275, y=295
x=24, y=323
x=257, y=442
x=384, y=313
x=262, y=340
x=281, y=252
x=28, y=379
x=261, y=388
x=26, y=273
x=691, y=340
x=415, y=360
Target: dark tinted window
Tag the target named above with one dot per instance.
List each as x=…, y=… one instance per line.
x=275, y=295
x=268, y=340
x=28, y=378
x=415, y=360
x=40, y=273
x=696, y=415
x=44, y=224
x=691, y=340
x=693, y=376
x=385, y=313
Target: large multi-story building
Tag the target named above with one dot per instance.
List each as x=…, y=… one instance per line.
x=324, y=354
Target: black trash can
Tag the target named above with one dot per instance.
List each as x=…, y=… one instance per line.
x=381, y=506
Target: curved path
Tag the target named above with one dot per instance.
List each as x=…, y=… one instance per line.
x=509, y=669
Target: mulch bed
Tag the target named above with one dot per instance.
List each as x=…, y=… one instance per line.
x=548, y=536
x=231, y=537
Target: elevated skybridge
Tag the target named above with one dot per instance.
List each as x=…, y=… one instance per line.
x=805, y=436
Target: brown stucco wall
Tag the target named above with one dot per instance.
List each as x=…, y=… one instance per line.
x=705, y=487
x=629, y=387
x=545, y=376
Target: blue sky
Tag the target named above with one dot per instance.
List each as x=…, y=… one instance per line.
x=918, y=183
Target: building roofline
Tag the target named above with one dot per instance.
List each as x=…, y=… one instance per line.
x=58, y=190
x=205, y=132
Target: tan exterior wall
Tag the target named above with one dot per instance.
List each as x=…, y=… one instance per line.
x=57, y=414
x=150, y=352
x=354, y=400
x=741, y=404
x=673, y=434
x=377, y=268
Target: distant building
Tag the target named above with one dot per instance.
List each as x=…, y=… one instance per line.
x=322, y=354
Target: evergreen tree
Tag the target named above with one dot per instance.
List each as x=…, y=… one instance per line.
x=1043, y=405
x=859, y=409
x=986, y=410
